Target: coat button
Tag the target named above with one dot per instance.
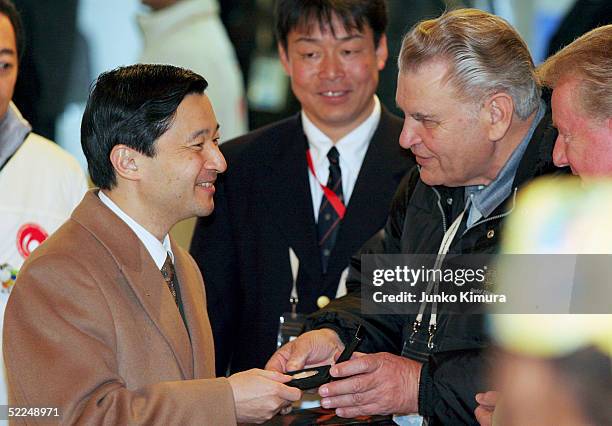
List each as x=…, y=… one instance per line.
x=490, y=233
x=322, y=301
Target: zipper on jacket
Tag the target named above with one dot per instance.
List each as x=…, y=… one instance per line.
x=441, y=209
x=499, y=216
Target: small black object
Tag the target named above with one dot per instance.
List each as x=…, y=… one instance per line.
x=347, y=353
x=320, y=376
x=314, y=377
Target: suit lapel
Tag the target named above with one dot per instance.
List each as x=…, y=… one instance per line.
x=287, y=192
x=152, y=291
x=194, y=306
x=141, y=275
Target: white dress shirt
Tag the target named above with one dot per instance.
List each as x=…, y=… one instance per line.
x=352, y=149
x=156, y=249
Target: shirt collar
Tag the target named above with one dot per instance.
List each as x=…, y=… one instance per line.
x=485, y=199
x=156, y=249
x=351, y=147
x=13, y=131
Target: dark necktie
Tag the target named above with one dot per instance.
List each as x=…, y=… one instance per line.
x=328, y=222
x=169, y=275
x=167, y=271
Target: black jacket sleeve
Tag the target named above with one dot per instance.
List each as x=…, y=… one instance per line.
x=449, y=383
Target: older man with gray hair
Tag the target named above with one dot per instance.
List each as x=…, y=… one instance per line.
x=479, y=130
x=580, y=75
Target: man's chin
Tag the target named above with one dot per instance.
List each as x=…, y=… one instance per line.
x=430, y=179
x=206, y=210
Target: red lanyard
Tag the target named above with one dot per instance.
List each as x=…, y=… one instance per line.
x=331, y=196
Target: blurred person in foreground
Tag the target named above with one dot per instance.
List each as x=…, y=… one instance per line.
x=107, y=321
x=303, y=194
x=480, y=131
x=40, y=183
x=580, y=75
x=555, y=369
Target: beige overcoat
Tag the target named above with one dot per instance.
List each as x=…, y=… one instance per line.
x=92, y=329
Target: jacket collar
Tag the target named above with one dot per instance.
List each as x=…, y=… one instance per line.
x=537, y=159
x=13, y=131
x=141, y=274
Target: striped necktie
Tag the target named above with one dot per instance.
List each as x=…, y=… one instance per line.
x=328, y=222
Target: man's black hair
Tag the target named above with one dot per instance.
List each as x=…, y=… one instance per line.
x=354, y=14
x=133, y=106
x=7, y=8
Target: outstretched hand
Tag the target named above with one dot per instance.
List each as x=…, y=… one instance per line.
x=260, y=394
x=311, y=349
x=380, y=383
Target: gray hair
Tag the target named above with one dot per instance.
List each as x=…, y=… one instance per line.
x=485, y=55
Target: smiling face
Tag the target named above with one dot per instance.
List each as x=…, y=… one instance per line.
x=447, y=135
x=178, y=181
x=584, y=143
x=334, y=74
x=8, y=63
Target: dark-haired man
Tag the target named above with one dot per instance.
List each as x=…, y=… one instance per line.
x=303, y=194
x=107, y=322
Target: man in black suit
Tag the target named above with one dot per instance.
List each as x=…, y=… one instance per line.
x=302, y=195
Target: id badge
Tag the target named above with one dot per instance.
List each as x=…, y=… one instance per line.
x=290, y=326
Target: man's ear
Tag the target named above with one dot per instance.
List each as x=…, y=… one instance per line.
x=282, y=54
x=125, y=162
x=498, y=110
x=382, y=52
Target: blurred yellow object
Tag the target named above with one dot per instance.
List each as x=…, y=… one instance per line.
x=557, y=216
x=561, y=215
x=553, y=335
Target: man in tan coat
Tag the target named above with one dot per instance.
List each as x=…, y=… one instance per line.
x=107, y=322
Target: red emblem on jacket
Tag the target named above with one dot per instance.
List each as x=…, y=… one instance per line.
x=30, y=236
